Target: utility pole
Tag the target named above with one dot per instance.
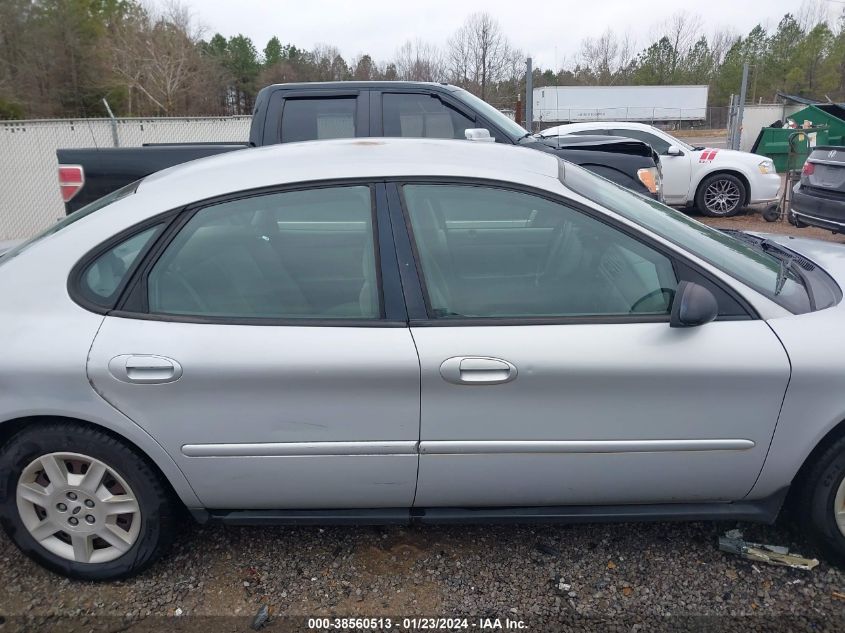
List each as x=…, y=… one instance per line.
x=743, y=91
x=529, y=96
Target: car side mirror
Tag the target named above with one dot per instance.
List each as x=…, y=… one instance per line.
x=479, y=134
x=674, y=150
x=693, y=305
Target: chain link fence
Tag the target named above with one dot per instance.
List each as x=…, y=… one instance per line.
x=29, y=195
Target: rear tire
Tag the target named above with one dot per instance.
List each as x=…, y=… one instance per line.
x=721, y=196
x=820, y=503
x=103, y=527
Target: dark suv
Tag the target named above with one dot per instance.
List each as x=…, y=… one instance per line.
x=818, y=199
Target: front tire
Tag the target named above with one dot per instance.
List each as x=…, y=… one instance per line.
x=82, y=503
x=820, y=505
x=721, y=196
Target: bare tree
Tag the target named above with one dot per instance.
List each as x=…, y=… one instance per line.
x=814, y=12
x=720, y=43
x=328, y=64
x=156, y=56
x=681, y=30
x=417, y=60
x=625, y=59
x=600, y=55
x=479, y=53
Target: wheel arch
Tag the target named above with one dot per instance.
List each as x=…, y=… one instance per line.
x=142, y=444
x=731, y=172
x=835, y=433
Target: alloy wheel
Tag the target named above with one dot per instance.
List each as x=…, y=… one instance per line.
x=839, y=507
x=722, y=196
x=78, y=508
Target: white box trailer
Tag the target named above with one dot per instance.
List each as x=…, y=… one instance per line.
x=568, y=104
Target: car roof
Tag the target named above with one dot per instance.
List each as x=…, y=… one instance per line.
x=374, y=158
x=340, y=85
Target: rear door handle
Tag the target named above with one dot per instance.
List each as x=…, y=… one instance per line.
x=477, y=370
x=146, y=369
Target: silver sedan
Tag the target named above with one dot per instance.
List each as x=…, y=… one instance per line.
x=408, y=331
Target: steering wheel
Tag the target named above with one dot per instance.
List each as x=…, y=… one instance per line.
x=668, y=293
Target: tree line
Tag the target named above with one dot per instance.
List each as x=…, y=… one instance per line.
x=62, y=58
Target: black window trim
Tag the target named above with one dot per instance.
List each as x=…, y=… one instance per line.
x=419, y=306
x=132, y=300
x=76, y=279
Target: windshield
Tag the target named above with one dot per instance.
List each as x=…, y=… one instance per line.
x=87, y=210
x=744, y=261
x=513, y=129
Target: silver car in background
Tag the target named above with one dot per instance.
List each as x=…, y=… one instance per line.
x=394, y=330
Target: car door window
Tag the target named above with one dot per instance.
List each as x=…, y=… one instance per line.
x=490, y=252
x=317, y=119
x=658, y=144
x=421, y=115
x=297, y=254
x=103, y=278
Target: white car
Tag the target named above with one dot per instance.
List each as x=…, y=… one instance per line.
x=719, y=182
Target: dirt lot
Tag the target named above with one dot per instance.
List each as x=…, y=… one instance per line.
x=636, y=574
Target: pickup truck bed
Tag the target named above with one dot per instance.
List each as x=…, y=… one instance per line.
x=314, y=111
x=108, y=169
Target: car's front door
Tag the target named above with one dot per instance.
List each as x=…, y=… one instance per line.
x=675, y=168
x=264, y=344
x=550, y=374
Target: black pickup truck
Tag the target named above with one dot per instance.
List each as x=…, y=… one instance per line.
x=287, y=113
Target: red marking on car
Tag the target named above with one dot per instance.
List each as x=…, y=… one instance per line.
x=707, y=155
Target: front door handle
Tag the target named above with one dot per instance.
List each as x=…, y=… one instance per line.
x=477, y=370
x=147, y=369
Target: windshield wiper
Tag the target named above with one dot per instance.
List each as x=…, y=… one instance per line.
x=780, y=282
x=787, y=265
x=786, y=262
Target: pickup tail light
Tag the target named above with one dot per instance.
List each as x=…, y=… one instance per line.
x=71, y=180
x=650, y=177
x=809, y=168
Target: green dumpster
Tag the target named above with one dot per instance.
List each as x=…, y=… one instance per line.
x=774, y=142
x=830, y=115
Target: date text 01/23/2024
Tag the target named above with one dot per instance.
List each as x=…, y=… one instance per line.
x=410, y=624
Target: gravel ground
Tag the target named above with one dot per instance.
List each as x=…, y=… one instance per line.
x=634, y=571
x=580, y=573
x=753, y=221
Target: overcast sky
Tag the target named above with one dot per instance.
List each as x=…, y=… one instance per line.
x=549, y=30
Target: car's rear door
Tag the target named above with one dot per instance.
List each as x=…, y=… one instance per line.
x=550, y=374
x=263, y=342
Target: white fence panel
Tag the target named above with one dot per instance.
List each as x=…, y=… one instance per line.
x=29, y=190
x=757, y=116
